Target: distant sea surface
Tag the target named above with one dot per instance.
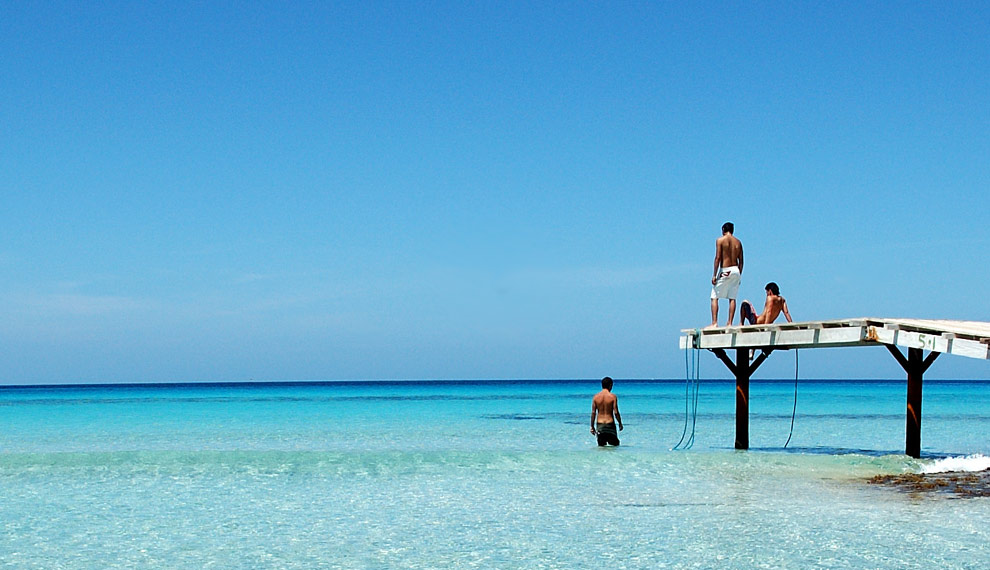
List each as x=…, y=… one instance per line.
x=489, y=474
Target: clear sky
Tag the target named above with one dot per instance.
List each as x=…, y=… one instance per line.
x=220, y=191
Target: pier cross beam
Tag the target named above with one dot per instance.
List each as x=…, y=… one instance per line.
x=915, y=364
x=742, y=369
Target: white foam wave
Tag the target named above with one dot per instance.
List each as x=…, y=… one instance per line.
x=976, y=462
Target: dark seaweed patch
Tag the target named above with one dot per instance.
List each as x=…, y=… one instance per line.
x=956, y=485
x=514, y=417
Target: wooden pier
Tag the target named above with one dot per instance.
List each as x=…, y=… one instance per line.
x=962, y=338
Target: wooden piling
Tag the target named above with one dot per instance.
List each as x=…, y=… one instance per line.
x=743, y=374
x=915, y=365
x=743, y=370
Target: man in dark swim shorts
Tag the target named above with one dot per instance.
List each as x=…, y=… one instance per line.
x=607, y=435
x=605, y=414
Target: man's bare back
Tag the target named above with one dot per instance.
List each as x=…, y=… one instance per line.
x=728, y=253
x=774, y=305
x=603, y=406
x=772, y=309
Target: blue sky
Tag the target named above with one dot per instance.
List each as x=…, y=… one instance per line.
x=316, y=191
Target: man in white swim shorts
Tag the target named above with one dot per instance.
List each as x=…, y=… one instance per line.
x=727, y=272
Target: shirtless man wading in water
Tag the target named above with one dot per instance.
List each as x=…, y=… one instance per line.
x=727, y=272
x=605, y=414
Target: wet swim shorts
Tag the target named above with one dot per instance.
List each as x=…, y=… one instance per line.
x=607, y=434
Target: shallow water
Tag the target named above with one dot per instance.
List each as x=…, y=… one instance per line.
x=480, y=474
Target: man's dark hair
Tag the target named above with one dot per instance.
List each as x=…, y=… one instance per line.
x=727, y=227
x=607, y=383
x=773, y=288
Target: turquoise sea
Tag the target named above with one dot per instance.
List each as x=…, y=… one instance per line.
x=494, y=474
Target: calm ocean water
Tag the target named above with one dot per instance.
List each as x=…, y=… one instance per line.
x=482, y=474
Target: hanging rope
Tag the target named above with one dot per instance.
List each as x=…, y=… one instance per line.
x=692, y=374
x=688, y=358
x=793, y=411
x=694, y=405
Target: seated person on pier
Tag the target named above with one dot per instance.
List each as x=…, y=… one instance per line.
x=771, y=310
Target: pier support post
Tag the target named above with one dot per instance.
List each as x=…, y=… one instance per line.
x=743, y=375
x=743, y=370
x=915, y=365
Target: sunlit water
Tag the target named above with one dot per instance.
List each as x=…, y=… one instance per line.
x=482, y=474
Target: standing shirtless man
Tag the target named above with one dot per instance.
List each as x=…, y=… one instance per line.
x=604, y=415
x=727, y=272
